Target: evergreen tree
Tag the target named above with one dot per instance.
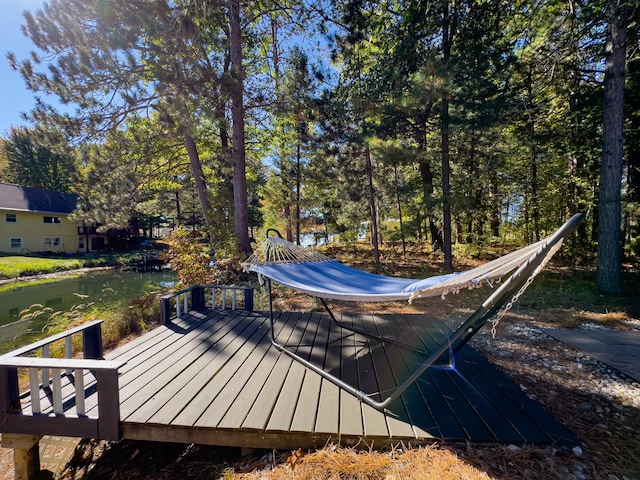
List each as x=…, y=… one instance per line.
x=39, y=158
x=117, y=59
x=609, y=271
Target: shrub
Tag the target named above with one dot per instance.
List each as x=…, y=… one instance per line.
x=189, y=255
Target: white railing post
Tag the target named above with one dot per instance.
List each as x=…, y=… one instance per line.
x=34, y=388
x=68, y=350
x=78, y=380
x=45, y=371
x=57, y=390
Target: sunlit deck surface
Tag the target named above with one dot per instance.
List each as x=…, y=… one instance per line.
x=213, y=377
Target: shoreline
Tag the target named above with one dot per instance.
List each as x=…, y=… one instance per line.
x=60, y=274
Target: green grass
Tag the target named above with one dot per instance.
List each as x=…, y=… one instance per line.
x=19, y=266
x=31, y=282
x=16, y=266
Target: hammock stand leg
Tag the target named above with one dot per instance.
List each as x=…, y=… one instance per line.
x=361, y=395
x=364, y=332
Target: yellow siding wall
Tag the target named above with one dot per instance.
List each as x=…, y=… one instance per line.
x=30, y=227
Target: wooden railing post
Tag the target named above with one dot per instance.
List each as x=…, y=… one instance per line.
x=92, y=342
x=248, y=299
x=197, y=297
x=165, y=309
x=108, y=404
x=9, y=392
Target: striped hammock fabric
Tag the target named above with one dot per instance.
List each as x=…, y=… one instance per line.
x=310, y=272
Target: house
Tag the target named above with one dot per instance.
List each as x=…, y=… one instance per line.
x=34, y=220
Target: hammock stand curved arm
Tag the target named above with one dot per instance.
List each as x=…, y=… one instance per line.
x=506, y=292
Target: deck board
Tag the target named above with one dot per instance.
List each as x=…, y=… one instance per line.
x=171, y=365
x=283, y=412
x=306, y=412
x=350, y=407
x=181, y=394
x=417, y=407
x=328, y=417
x=225, y=368
x=214, y=377
x=454, y=413
x=267, y=400
x=374, y=421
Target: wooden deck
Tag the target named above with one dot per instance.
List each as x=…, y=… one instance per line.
x=213, y=377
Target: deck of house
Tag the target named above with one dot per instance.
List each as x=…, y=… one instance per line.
x=213, y=377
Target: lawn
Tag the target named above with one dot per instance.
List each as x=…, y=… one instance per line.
x=20, y=266
x=16, y=266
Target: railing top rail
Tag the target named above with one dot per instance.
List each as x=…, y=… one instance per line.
x=49, y=340
x=228, y=287
x=61, y=363
x=221, y=287
x=179, y=292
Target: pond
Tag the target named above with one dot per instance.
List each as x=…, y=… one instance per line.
x=26, y=309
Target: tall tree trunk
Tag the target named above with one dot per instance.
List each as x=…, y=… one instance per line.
x=632, y=137
x=535, y=212
x=372, y=207
x=298, y=186
x=198, y=176
x=399, y=203
x=576, y=168
x=178, y=211
x=533, y=159
x=494, y=200
x=241, y=209
x=609, y=270
x=444, y=125
x=426, y=176
x=288, y=228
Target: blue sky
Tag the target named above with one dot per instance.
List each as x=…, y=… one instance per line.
x=14, y=96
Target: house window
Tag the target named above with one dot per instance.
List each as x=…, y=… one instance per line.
x=10, y=218
x=50, y=242
x=15, y=242
x=52, y=219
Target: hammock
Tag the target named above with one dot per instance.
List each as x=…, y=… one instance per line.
x=315, y=274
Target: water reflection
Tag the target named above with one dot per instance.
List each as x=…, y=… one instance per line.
x=27, y=309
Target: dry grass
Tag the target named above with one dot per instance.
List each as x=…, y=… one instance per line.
x=337, y=463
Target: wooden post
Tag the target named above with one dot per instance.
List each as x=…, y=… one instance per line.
x=26, y=454
x=92, y=342
x=108, y=404
x=248, y=299
x=165, y=310
x=197, y=297
x=9, y=391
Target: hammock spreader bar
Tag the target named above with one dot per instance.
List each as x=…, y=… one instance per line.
x=505, y=294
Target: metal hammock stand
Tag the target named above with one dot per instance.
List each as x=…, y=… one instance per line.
x=317, y=275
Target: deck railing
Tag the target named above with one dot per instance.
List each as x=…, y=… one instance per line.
x=220, y=297
x=58, y=389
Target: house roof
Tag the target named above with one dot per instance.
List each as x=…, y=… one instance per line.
x=15, y=197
